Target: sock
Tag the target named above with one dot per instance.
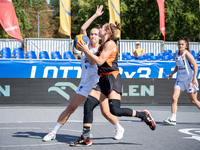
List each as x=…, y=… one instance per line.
x=57, y=127
x=117, y=125
x=140, y=115
x=86, y=132
x=173, y=117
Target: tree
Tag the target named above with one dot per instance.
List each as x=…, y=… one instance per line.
x=139, y=18
x=27, y=15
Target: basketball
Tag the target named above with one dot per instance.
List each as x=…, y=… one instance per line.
x=81, y=37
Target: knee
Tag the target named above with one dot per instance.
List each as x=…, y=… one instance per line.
x=106, y=114
x=115, y=111
x=193, y=101
x=90, y=104
x=174, y=98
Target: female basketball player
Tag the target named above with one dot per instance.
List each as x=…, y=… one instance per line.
x=186, y=78
x=89, y=79
x=109, y=87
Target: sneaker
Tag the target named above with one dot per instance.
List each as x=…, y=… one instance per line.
x=82, y=142
x=149, y=120
x=50, y=136
x=119, y=133
x=170, y=121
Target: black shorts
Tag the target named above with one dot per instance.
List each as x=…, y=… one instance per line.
x=109, y=83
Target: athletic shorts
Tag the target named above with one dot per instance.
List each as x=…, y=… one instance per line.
x=84, y=87
x=108, y=83
x=185, y=85
x=84, y=91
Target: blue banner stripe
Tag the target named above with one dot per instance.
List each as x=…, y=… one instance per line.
x=115, y=8
x=65, y=9
x=72, y=69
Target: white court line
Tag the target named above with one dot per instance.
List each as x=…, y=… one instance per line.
x=26, y=128
x=4, y=146
x=51, y=121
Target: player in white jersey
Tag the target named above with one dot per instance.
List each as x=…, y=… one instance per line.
x=88, y=81
x=186, y=79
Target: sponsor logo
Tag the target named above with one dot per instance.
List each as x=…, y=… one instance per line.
x=138, y=90
x=5, y=91
x=11, y=28
x=133, y=90
x=194, y=133
x=59, y=87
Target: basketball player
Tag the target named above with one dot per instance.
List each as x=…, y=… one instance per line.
x=88, y=80
x=186, y=78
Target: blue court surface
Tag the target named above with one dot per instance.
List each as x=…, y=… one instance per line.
x=23, y=127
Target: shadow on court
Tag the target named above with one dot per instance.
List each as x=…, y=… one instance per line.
x=36, y=135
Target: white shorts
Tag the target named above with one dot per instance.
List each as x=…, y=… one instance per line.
x=185, y=85
x=84, y=91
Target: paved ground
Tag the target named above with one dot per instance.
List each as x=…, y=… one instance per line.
x=23, y=127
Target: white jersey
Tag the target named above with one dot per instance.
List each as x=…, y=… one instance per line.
x=185, y=70
x=89, y=72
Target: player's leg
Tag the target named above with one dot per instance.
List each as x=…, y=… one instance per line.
x=179, y=87
x=176, y=94
x=192, y=92
x=91, y=102
x=76, y=100
x=193, y=98
x=174, y=106
x=115, y=108
x=105, y=110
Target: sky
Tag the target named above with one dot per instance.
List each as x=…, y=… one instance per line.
x=48, y=1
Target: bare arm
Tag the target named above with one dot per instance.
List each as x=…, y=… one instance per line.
x=175, y=70
x=170, y=75
x=109, y=48
x=190, y=58
x=98, y=13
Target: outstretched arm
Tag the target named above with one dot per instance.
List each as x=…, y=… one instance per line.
x=98, y=13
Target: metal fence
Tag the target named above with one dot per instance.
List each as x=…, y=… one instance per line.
x=149, y=46
x=48, y=45
x=174, y=46
x=62, y=45
x=11, y=43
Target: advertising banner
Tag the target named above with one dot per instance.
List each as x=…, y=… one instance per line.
x=72, y=69
x=60, y=91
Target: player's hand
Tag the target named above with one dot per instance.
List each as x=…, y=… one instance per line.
x=193, y=83
x=82, y=46
x=99, y=11
x=169, y=76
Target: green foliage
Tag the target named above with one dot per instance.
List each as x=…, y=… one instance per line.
x=139, y=18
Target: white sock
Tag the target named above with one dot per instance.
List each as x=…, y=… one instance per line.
x=173, y=117
x=57, y=127
x=117, y=126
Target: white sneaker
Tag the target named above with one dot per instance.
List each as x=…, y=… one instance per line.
x=119, y=133
x=50, y=136
x=170, y=121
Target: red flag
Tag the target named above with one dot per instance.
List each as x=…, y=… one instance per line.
x=161, y=5
x=8, y=19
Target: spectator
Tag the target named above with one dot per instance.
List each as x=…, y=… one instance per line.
x=77, y=53
x=138, y=51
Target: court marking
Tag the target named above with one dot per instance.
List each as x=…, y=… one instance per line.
x=188, y=132
x=32, y=145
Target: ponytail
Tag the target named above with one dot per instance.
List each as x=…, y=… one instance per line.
x=113, y=29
